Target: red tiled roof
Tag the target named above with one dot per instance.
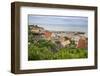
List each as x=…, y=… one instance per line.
x=47, y=34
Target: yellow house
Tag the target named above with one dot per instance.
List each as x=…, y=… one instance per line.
x=37, y=30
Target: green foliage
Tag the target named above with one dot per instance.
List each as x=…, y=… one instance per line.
x=41, y=49
x=36, y=53
x=71, y=53
x=72, y=44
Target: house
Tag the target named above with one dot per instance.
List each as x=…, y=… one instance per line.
x=47, y=35
x=76, y=38
x=82, y=43
x=65, y=41
x=36, y=29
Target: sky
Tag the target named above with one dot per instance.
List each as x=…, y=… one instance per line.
x=60, y=23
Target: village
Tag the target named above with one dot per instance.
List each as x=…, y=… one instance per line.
x=61, y=38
